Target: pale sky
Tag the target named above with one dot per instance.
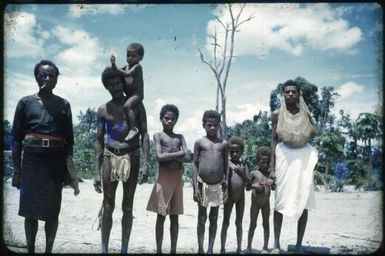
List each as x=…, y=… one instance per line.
x=336, y=45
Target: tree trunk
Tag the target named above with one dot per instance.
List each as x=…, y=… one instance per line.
x=217, y=100
x=370, y=166
x=326, y=184
x=224, y=122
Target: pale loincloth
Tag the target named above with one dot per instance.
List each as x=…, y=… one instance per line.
x=211, y=194
x=120, y=166
x=167, y=194
x=294, y=178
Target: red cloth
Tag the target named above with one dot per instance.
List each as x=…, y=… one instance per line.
x=167, y=194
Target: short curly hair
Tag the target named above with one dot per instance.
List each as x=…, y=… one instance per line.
x=109, y=73
x=42, y=63
x=169, y=108
x=290, y=83
x=211, y=114
x=263, y=151
x=138, y=48
x=238, y=141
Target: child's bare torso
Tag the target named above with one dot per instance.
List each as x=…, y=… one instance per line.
x=129, y=85
x=260, y=199
x=170, y=143
x=211, y=161
x=237, y=184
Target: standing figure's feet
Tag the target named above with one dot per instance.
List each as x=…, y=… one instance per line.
x=276, y=250
x=131, y=134
x=299, y=249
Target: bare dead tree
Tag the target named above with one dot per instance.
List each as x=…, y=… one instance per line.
x=223, y=54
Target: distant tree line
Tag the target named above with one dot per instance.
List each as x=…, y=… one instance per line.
x=350, y=151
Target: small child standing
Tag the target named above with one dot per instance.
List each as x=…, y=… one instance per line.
x=210, y=172
x=167, y=194
x=238, y=180
x=133, y=86
x=260, y=198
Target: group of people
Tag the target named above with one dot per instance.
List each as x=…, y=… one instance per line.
x=42, y=130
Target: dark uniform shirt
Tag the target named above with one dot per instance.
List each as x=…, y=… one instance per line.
x=49, y=116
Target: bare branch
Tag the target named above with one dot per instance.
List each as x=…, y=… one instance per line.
x=221, y=22
x=232, y=16
x=217, y=66
x=240, y=12
x=215, y=48
x=222, y=60
x=224, y=54
x=245, y=20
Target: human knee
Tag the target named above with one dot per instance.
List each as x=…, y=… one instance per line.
x=213, y=218
x=174, y=220
x=108, y=206
x=202, y=218
x=238, y=222
x=225, y=223
x=160, y=219
x=253, y=225
x=127, y=210
x=128, y=105
x=265, y=224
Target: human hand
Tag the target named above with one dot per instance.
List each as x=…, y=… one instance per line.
x=225, y=196
x=98, y=184
x=258, y=187
x=113, y=59
x=143, y=176
x=270, y=182
x=135, y=66
x=76, y=188
x=224, y=184
x=16, y=180
x=197, y=196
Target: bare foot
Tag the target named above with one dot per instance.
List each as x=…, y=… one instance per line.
x=276, y=250
x=299, y=249
x=131, y=134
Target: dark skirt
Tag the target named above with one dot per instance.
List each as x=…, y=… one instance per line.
x=41, y=182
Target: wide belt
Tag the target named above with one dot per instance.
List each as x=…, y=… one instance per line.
x=44, y=143
x=120, y=151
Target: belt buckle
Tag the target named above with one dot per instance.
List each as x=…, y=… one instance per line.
x=45, y=143
x=117, y=151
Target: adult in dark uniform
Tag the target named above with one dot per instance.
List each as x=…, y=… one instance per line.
x=42, y=129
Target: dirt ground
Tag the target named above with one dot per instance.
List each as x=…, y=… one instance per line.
x=345, y=223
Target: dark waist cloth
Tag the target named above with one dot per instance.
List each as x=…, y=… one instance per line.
x=44, y=143
x=41, y=182
x=122, y=151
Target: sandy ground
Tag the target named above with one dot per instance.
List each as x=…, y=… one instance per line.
x=348, y=222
